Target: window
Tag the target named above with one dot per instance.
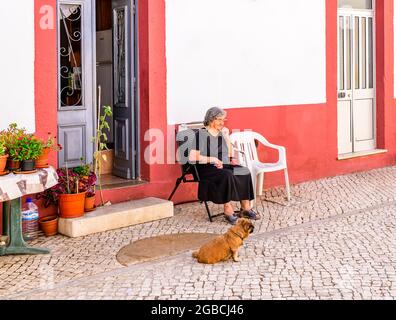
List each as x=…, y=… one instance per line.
x=71, y=78
x=355, y=4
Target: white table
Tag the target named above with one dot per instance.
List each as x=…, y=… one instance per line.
x=12, y=188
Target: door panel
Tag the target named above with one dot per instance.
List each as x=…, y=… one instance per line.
x=344, y=128
x=121, y=145
x=73, y=140
x=364, y=132
x=124, y=89
x=75, y=81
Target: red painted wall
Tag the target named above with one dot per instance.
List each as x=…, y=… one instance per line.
x=308, y=132
x=46, y=75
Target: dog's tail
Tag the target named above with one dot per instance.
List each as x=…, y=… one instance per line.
x=195, y=254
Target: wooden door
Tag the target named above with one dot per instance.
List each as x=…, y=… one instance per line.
x=76, y=98
x=124, y=79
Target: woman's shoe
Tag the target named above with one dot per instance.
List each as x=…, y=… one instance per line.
x=251, y=214
x=231, y=218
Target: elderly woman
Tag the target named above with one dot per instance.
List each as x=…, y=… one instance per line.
x=222, y=180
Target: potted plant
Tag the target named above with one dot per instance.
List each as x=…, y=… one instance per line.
x=71, y=194
x=11, y=138
x=87, y=180
x=3, y=155
x=104, y=157
x=82, y=170
x=48, y=199
x=100, y=140
x=91, y=194
x=30, y=148
x=48, y=145
x=49, y=224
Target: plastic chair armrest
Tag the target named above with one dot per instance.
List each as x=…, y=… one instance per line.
x=281, y=149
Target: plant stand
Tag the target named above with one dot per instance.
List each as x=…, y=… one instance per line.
x=13, y=187
x=12, y=227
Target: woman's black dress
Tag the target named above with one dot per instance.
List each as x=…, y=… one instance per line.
x=232, y=183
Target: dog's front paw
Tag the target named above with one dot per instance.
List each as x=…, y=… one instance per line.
x=236, y=259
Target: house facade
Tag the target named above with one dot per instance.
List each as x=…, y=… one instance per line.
x=316, y=76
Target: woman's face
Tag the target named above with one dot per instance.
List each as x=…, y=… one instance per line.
x=218, y=122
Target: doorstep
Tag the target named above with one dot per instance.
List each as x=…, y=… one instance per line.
x=117, y=216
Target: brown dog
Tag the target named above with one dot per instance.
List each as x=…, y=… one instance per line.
x=225, y=246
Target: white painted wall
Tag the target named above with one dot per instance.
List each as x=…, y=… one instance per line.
x=243, y=53
x=17, y=64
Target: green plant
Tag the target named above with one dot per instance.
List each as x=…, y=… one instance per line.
x=83, y=170
x=29, y=148
x=12, y=137
x=14, y=150
x=100, y=140
x=3, y=149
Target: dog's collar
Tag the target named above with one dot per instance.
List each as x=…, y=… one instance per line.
x=238, y=235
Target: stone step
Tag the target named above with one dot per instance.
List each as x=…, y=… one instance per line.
x=117, y=216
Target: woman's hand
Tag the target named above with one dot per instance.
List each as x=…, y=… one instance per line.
x=217, y=163
x=234, y=162
x=225, y=131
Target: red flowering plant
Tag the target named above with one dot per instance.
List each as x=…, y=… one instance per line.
x=51, y=143
x=12, y=140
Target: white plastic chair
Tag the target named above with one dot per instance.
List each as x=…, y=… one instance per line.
x=244, y=143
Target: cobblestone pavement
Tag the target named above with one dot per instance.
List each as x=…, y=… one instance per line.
x=335, y=240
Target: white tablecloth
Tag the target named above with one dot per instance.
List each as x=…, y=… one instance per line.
x=13, y=186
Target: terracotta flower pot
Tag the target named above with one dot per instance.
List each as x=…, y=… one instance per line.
x=71, y=205
x=49, y=225
x=3, y=163
x=89, y=204
x=13, y=164
x=42, y=161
